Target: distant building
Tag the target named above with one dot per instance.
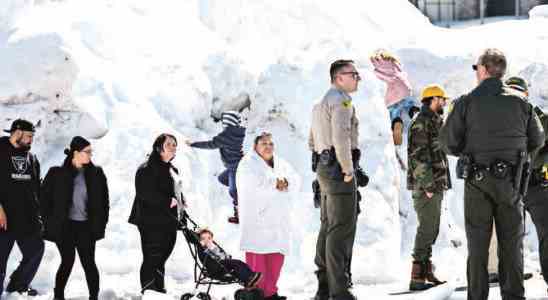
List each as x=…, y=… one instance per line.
x=448, y=10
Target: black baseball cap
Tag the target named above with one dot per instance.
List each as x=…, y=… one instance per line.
x=20, y=124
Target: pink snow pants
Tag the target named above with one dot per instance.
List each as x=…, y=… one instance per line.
x=270, y=265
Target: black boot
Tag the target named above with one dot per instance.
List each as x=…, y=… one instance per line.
x=234, y=219
x=323, y=287
x=412, y=111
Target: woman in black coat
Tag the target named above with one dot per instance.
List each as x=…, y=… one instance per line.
x=74, y=204
x=154, y=211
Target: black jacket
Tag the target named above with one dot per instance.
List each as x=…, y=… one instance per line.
x=19, y=189
x=229, y=142
x=492, y=122
x=154, y=190
x=57, y=194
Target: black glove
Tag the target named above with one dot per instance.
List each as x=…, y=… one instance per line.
x=317, y=193
x=361, y=178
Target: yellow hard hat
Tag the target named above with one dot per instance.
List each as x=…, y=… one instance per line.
x=433, y=90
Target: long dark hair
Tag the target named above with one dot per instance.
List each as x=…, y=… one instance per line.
x=158, y=146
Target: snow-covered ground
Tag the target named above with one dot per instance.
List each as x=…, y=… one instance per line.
x=124, y=71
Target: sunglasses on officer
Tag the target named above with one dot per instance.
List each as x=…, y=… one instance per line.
x=355, y=75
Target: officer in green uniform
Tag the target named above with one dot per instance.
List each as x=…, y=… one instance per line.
x=536, y=199
x=492, y=129
x=428, y=178
x=333, y=136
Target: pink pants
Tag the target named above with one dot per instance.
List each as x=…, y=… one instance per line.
x=270, y=266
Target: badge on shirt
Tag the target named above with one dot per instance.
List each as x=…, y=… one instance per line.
x=347, y=103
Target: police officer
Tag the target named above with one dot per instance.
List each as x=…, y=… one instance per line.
x=19, y=211
x=492, y=129
x=333, y=135
x=537, y=193
x=428, y=178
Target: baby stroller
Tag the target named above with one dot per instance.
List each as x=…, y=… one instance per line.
x=202, y=275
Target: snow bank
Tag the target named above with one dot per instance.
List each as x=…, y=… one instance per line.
x=539, y=11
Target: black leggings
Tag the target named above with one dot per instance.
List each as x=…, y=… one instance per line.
x=157, y=245
x=77, y=236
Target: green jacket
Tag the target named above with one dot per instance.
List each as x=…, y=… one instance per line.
x=428, y=168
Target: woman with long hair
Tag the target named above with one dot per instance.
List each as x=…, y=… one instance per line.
x=155, y=211
x=74, y=202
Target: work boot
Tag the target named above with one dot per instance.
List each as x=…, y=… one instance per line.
x=418, y=277
x=397, y=131
x=234, y=219
x=430, y=274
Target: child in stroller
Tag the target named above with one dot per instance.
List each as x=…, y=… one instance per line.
x=213, y=266
x=213, y=257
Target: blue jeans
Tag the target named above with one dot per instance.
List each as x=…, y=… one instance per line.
x=228, y=178
x=32, y=248
x=396, y=109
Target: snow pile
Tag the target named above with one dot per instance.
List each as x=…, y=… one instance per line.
x=127, y=71
x=539, y=11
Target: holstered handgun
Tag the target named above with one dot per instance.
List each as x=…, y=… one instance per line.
x=315, y=160
x=526, y=175
x=523, y=172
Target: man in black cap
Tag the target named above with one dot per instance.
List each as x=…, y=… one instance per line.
x=19, y=210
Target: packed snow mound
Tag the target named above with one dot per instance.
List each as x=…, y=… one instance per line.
x=539, y=11
x=35, y=68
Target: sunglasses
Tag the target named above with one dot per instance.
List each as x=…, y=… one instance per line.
x=475, y=67
x=355, y=75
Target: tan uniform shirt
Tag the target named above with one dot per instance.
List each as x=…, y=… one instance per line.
x=335, y=124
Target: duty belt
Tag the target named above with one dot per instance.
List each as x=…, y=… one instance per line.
x=498, y=168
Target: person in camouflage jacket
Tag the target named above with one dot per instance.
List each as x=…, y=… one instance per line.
x=427, y=177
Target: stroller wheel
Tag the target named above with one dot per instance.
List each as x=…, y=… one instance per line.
x=186, y=296
x=204, y=296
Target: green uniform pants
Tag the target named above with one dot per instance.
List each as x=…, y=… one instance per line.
x=428, y=216
x=484, y=201
x=536, y=203
x=337, y=232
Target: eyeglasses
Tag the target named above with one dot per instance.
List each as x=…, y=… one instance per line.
x=88, y=152
x=475, y=67
x=355, y=75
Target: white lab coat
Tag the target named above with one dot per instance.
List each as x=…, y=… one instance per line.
x=264, y=210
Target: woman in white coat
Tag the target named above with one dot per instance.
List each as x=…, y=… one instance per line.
x=265, y=183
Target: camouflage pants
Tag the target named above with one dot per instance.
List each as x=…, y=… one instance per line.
x=484, y=201
x=428, y=216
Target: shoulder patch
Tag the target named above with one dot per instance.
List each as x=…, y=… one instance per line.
x=347, y=103
x=450, y=107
